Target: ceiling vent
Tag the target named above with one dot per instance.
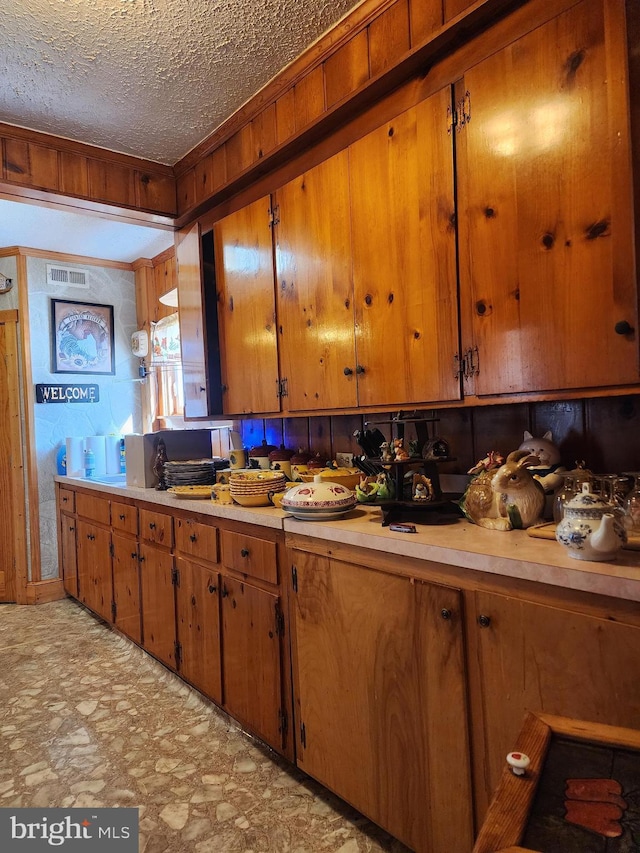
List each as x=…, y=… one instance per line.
x=66, y=276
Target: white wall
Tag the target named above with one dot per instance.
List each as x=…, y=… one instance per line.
x=119, y=408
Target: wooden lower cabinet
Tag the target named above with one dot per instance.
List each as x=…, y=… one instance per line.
x=68, y=555
x=95, y=585
x=252, y=624
x=158, y=603
x=198, y=627
x=126, y=586
x=380, y=698
x=530, y=656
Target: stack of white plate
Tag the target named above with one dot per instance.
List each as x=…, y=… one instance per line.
x=251, y=488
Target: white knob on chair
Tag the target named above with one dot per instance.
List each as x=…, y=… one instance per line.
x=518, y=762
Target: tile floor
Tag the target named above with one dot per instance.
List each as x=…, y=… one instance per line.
x=88, y=719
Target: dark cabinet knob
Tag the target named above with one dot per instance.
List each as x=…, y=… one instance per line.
x=446, y=613
x=134, y=556
x=348, y=371
x=224, y=592
x=122, y=516
x=202, y=389
x=141, y=559
x=622, y=327
x=484, y=621
x=212, y=588
x=152, y=525
x=244, y=552
x=359, y=369
x=193, y=537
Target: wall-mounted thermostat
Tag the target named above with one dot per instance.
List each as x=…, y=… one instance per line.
x=140, y=344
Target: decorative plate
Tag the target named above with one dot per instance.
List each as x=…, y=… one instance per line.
x=190, y=491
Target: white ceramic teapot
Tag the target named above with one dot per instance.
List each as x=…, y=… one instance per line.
x=591, y=529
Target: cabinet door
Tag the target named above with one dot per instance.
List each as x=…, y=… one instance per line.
x=243, y=254
x=381, y=703
x=126, y=586
x=547, y=268
x=94, y=568
x=252, y=665
x=198, y=626
x=533, y=657
x=192, y=331
x=404, y=258
x=315, y=294
x=158, y=604
x=68, y=554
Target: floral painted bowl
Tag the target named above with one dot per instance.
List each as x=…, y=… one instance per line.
x=319, y=496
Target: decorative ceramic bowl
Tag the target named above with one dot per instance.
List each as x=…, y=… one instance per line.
x=349, y=477
x=320, y=496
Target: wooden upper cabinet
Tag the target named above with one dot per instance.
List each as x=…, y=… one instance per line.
x=246, y=310
x=192, y=331
x=315, y=300
x=546, y=226
x=404, y=258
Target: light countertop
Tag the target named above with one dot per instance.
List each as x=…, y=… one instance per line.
x=510, y=554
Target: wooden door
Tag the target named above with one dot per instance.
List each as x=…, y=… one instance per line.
x=126, y=586
x=547, y=268
x=158, y=604
x=13, y=536
x=404, y=258
x=193, y=339
x=380, y=699
x=533, y=657
x=198, y=627
x=69, y=558
x=252, y=664
x=246, y=310
x=314, y=288
x=95, y=582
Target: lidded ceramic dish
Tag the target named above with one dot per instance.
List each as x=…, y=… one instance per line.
x=591, y=528
x=321, y=499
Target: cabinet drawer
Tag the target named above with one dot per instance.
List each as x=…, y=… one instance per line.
x=249, y=555
x=197, y=540
x=156, y=527
x=93, y=507
x=124, y=517
x=67, y=500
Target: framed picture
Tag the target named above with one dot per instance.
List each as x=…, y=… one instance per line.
x=580, y=793
x=81, y=337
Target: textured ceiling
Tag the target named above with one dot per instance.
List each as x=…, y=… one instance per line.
x=146, y=77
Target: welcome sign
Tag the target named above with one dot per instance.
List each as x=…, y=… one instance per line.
x=67, y=393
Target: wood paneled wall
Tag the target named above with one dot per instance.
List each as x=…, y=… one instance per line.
x=601, y=431
x=377, y=46
x=48, y=164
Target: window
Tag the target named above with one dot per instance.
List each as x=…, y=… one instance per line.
x=166, y=368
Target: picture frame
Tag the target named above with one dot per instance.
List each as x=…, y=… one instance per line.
x=579, y=793
x=82, y=338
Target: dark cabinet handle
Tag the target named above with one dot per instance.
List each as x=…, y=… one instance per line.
x=225, y=592
x=90, y=536
x=193, y=537
x=152, y=525
x=484, y=621
x=202, y=389
x=445, y=613
x=122, y=516
x=71, y=529
x=622, y=327
x=212, y=588
x=348, y=371
x=141, y=558
x=359, y=369
x=134, y=555
x=64, y=500
x=244, y=552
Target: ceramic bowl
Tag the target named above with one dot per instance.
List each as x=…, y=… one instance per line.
x=321, y=495
x=349, y=477
x=252, y=500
